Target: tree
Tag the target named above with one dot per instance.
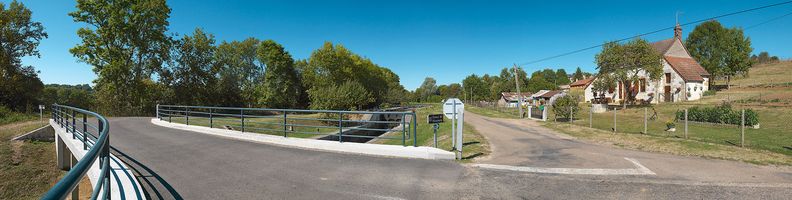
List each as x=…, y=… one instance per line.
x=80, y=96
x=194, y=70
x=347, y=96
x=125, y=42
x=578, y=75
x=763, y=58
x=624, y=62
x=19, y=37
x=475, y=88
x=542, y=80
x=240, y=73
x=721, y=51
x=427, y=89
x=561, y=78
x=566, y=106
x=281, y=86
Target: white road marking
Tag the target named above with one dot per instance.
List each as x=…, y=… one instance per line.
x=638, y=170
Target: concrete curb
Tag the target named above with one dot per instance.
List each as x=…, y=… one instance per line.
x=44, y=133
x=346, y=147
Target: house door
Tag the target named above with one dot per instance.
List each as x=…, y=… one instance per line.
x=667, y=93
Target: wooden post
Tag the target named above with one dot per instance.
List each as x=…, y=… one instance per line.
x=591, y=116
x=686, y=123
x=742, y=129
x=614, y=120
x=645, y=122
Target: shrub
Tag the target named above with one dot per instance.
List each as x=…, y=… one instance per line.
x=709, y=92
x=722, y=114
x=562, y=106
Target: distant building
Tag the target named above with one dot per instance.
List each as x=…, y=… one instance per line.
x=683, y=78
x=546, y=96
x=583, y=86
x=511, y=99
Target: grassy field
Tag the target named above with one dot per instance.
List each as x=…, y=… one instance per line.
x=27, y=169
x=474, y=145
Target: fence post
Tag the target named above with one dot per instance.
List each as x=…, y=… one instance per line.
x=340, y=127
x=73, y=125
x=284, y=124
x=415, y=128
x=85, y=132
x=614, y=120
x=686, y=123
x=158, y=115
x=742, y=129
x=242, y=118
x=571, y=117
x=211, y=120
x=591, y=117
x=187, y=115
x=645, y=121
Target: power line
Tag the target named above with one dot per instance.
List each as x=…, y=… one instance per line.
x=656, y=31
x=768, y=21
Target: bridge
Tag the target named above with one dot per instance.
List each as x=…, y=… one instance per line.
x=146, y=158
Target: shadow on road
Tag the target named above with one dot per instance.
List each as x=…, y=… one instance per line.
x=151, y=182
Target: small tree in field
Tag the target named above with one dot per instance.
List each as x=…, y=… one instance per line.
x=565, y=106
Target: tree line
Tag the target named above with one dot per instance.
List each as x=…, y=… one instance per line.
x=489, y=87
x=140, y=64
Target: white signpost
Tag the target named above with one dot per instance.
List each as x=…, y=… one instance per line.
x=454, y=109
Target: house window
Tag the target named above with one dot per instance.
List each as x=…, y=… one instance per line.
x=668, y=77
x=643, y=84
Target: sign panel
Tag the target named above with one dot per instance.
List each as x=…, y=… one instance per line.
x=451, y=104
x=434, y=118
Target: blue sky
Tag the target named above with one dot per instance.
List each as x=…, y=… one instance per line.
x=447, y=40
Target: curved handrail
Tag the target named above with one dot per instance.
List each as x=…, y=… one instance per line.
x=99, y=150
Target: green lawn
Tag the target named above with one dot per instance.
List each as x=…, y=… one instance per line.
x=27, y=169
x=474, y=145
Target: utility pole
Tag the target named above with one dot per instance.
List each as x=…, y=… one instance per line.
x=519, y=95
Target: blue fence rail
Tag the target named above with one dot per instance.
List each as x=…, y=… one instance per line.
x=96, y=139
x=329, y=124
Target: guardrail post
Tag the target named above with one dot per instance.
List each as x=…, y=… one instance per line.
x=340, y=127
x=284, y=124
x=85, y=132
x=73, y=125
x=187, y=115
x=404, y=129
x=242, y=118
x=415, y=133
x=211, y=121
x=158, y=115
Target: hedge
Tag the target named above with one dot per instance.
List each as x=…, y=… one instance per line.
x=723, y=114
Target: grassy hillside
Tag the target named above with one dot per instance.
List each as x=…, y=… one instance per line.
x=27, y=169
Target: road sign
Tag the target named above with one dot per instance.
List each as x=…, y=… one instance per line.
x=434, y=118
x=449, y=106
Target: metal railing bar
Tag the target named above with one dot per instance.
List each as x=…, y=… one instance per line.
x=288, y=110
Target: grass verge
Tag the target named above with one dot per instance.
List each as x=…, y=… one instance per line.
x=474, y=144
x=671, y=145
x=27, y=168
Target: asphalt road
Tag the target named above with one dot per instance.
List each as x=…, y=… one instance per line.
x=174, y=164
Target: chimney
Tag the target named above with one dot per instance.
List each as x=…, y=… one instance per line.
x=678, y=31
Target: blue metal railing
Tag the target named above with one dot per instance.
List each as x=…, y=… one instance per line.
x=98, y=147
x=335, y=123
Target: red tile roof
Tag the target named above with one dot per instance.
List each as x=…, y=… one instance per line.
x=550, y=94
x=582, y=82
x=688, y=68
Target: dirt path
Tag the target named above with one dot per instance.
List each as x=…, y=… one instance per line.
x=526, y=143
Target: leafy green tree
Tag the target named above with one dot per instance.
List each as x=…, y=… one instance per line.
x=80, y=96
x=476, y=88
x=347, y=96
x=195, y=69
x=281, y=88
x=427, y=89
x=19, y=37
x=239, y=74
x=125, y=42
x=578, y=75
x=566, y=106
x=542, y=80
x=723, y=52
x=561, y=77
x=624, y=62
